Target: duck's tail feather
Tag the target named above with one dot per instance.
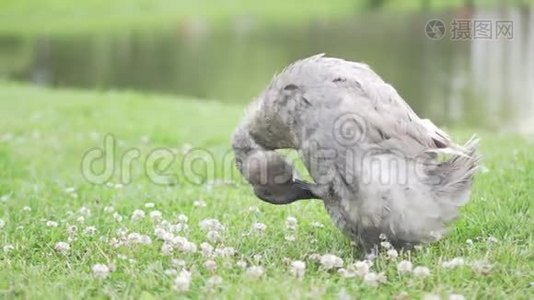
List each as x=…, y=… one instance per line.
x=456, y=174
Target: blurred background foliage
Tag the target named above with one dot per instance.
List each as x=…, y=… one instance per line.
x=228, y=50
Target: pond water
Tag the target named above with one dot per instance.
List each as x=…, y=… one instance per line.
x=477, y=82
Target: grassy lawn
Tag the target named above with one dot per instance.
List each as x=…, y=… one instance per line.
x=45, y=133
x=65, y=17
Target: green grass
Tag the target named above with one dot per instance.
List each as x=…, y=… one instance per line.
x=66, y=17
x=45, y=133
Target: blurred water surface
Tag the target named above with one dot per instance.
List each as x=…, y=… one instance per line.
x=477, y=82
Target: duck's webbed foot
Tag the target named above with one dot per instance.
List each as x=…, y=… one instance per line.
x=370, y=241
x=401, y=245
x=370, y=252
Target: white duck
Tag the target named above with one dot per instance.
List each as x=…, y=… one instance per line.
x=375, y=163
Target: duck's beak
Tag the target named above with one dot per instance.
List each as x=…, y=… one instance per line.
x=285, y=193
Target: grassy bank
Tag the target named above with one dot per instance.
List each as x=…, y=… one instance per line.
x=44, y=135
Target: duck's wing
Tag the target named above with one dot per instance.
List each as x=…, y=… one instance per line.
x=388, y=120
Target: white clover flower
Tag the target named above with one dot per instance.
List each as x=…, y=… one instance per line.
x=206, y=249
x=27, y=209
x=150, y=205
x=385, y=245
x=8, y=248
x=346, y=273
x=2, y=223
x=210, y=265
x=100, y=271
x=211, y=224
x=180, y=227
x=373, y=279
x=404, y=266
x=137, y=238
x=241, y=264
x=117, y=217
x=170, y=272
x=84, y=211
x=225, y=252
x=155, y=215
x=178, y=242
x=122, y=257
x=455, y=262
x=163, y=234
x=167, y=249
x=213, y=236
x=383, y=237
x=431, y=297
x=298, y=268
x=122, y=232
x=70, y=190
x=109, y=209
x=199, y=203
x=469, y=242
x=178, y=263
x=481, y=266
x=253, y=209
x=421, y=271
x=89, y=230
x=456, y=297
x=330, y=261
x=317, y=224
x=182, y=281
x=259, y=227
x=134, y=237
x=51, y=224
x=189, y=247
x=62, y=247
x=214, y=281
x=343, y=295
x=145, y=240
x=257, y=257
x=392, y=254
x=255, y=272
x=137, y=215
x=361, y=268
x=492, y=240
x=80, y=219
x=291, y=223
x=182, y=218
x=290, y=238
x=72, y=230
x=315, y=257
